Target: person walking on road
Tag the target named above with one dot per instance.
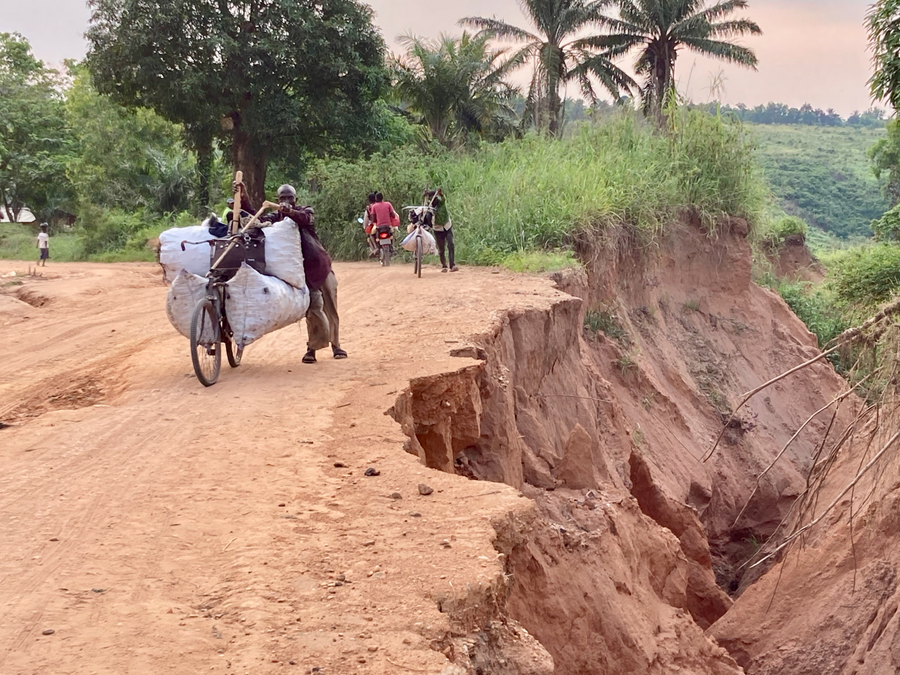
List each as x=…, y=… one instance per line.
x=43, y=244
x=322, y=321
x=443, y=228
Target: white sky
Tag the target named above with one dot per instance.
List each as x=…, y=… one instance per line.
x=811, y=51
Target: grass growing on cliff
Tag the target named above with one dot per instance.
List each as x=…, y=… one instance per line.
x=538, y=194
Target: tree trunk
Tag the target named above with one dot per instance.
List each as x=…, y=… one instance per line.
x=204, y=168
x=251, y=157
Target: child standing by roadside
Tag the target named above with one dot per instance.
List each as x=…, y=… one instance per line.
x=43, y=244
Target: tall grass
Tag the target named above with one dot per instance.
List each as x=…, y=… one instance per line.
x=537, y=193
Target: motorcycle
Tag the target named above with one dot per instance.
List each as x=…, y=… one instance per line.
x=384, y=240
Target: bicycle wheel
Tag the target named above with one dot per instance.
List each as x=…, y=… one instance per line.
x=233, y=351
x=206, y=352
x=419, y=257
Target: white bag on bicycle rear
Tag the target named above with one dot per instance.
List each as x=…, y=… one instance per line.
x=284, y=257
x=257, y=304
x=185, y=292
x=194, y=258
x=429, y=245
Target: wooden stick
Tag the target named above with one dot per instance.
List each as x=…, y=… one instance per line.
x=834, y=503
x=792, y=438
x=753, y=393
x=236, y=211
x=228, y=544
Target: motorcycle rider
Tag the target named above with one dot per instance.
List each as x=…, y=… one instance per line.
x=322, y=321
x=369, y=226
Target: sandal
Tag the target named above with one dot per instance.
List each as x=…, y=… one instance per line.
x=339, y=353
x=309, y=357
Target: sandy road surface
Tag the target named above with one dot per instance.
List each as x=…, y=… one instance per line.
x=161, y=527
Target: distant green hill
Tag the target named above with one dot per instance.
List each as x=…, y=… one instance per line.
x=822, y=174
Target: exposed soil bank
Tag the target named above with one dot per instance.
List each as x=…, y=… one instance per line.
x=616, y=569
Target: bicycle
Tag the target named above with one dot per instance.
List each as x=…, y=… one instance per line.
x=210, y=329
x=419, y=216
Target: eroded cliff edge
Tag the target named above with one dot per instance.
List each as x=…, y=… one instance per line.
x=633, y=539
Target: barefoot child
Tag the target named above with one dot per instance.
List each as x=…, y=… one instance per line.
x=43, y=244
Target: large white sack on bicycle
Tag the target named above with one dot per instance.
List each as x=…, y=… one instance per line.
x=186, y=291
x=194, y=259
x=257, y=304
x=284, y=256
x=429, y=245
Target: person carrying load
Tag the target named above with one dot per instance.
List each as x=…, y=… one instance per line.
x=322, y=321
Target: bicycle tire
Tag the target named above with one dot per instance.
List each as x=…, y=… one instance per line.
x=207, y=359
x=419, y=254
x=233, y=351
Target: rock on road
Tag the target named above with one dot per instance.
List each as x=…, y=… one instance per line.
x=155, y=525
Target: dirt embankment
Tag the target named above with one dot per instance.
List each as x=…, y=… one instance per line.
x=608, y=433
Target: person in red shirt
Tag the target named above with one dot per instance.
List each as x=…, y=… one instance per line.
x=383, y=212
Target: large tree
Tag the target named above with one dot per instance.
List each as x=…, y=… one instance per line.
x=277, y=77
x=658, y=29
x=34, y=137
x=557, y=54
x=883, y=23
x=455, y=85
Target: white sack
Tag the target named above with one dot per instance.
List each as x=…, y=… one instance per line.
x=429, y=245
x=284, y=257
x=185, y=292
x=194, y=258
x=257, y=304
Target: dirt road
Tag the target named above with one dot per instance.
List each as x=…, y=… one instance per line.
x=158, y=526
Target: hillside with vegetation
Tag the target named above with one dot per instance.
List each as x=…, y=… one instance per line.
x=823, y=174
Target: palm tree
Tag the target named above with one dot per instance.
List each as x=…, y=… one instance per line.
x=456, y=85
x=659, y=28
x=557, y=55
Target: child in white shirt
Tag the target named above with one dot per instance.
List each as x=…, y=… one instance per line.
x=43, y=244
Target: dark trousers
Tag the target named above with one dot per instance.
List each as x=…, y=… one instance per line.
x=445, y=240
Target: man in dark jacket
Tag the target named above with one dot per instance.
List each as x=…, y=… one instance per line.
x=322, y=321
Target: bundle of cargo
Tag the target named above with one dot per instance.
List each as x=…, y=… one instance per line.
x=227, y=292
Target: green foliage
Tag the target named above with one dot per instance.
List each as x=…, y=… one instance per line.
x=536, y=193
x=883, y=24
x=456, y=86
x=885, y=157
x=290, y=77
x=537, y=262
x=608, y=323
x=339, y=188
x=778, y=229
x=822, y=175
x=780, y=113
x=887, y=228
x=815, y=307
x=129, y=159
x=34, y=137
x=866, y=276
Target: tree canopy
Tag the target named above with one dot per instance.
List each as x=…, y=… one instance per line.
x=658, y=29
x=274, y=77
x=34, y=137
x=455, y=85
x=557, y=54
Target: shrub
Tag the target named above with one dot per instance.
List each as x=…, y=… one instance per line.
x=779, y=229
x=537, y=193
x=887, y=228
x=864, y=277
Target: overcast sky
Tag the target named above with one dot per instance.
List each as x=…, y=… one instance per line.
x=811, y=51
